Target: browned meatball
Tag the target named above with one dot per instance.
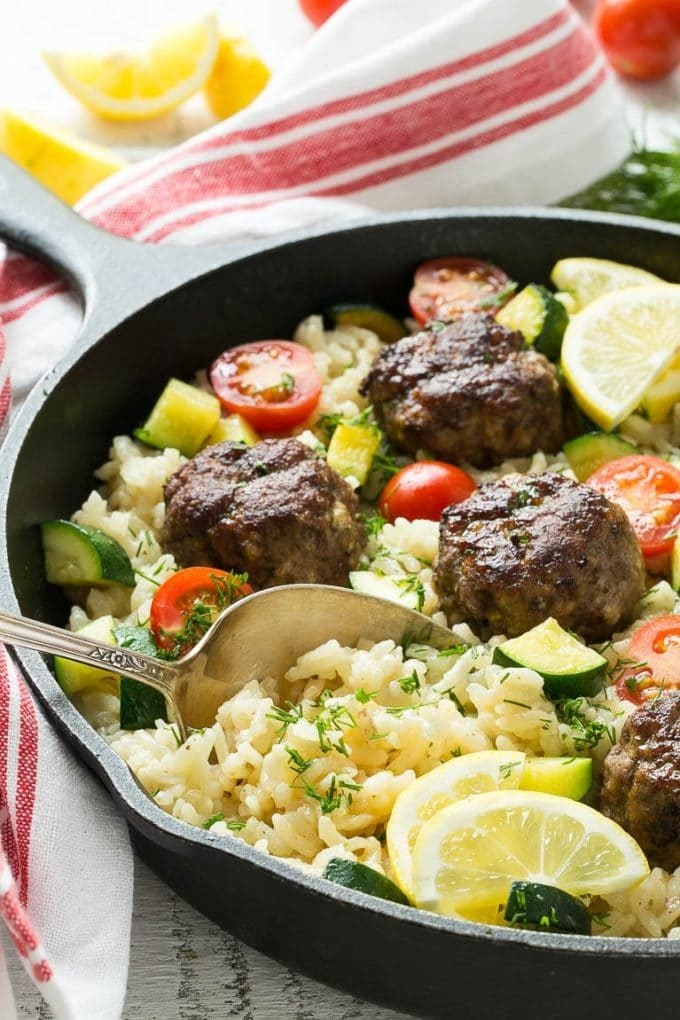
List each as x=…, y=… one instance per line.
x=532, y=546
x=273, y=510
x=641, y=780
x=468, y=390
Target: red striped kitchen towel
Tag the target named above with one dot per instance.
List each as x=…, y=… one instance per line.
x=391, y=105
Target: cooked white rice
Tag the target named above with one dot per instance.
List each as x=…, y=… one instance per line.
x=319, y=779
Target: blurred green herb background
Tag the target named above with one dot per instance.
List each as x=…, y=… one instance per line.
x=646, y=184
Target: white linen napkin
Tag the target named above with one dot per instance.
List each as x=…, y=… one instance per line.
x=391, y=105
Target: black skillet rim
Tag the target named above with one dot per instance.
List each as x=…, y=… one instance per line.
x=129, y=796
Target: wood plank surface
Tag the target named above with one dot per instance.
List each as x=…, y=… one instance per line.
x=183, y=967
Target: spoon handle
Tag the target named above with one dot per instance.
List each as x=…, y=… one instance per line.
x=42, y=637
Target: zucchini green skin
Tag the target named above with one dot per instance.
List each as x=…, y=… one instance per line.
x=545, y=908
x=182, y=418
x=354, y=875
x=140, y=705
x=539, y=316
x=585, y=684
x=589, y=452
x=369, y=316
x=76, y=554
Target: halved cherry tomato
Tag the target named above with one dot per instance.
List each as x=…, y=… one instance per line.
x=648, y=489
x=273, y=384
x=447, y=287
x=641, y=38
x=319, y=11
x=187, y=603
x=420, y=491
x=653, y=661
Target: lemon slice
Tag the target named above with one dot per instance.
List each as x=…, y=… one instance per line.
x=616, y=348
x=237, y=77
x=65, y=164
x=467, y=856
x=479, y=772
x=123, y=86
x=587, y=279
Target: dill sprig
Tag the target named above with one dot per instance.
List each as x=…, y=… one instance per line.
x=647, y=183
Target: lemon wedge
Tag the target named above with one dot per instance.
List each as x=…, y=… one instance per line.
x=237, y=77
x=479, y=772
x=585, y=279
x=124, y=86
x=618, y=346
x=467, y=856
x=63, y=163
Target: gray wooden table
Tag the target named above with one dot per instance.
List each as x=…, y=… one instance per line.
x=183, y=967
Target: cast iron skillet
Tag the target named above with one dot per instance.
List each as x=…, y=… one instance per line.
x=155, y=312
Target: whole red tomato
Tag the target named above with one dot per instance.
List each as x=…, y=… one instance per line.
x=422, y=490
x=641, y=38
x=319, y=11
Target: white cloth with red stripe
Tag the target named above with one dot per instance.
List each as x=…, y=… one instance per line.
x=391, y=105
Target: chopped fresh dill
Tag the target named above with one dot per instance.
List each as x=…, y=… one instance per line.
x=146, y=577
x=410, y=684
x=286, y=716
x=203, y=612
x=363, y=697
x=339, y=792
x=520, y=704
x=506, y=768
x=373, y=523
x=586, y=733
x=296, y=762
x=454, y=650
x=456, y=700
x=218, y=817
x=412, y=584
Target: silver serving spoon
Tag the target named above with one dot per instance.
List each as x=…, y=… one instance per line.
x=259, y=636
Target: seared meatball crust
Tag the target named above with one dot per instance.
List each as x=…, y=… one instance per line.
x=468, y=390
x=273, y=510
x=527, y=547
x=641, y=780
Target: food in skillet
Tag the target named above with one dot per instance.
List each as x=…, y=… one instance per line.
x=521, y=550
x=368, y=764
x=641, y=779
x=274, y=511
x=468, y=390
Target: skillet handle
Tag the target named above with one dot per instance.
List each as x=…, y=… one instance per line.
x=35, y=221
x=112, y=276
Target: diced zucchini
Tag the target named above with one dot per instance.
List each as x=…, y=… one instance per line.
x=78, y=555
x=369, y=316
x=664, y=394
x=546, y=908
x=352, y=449
x=368, y=583
x=75, y=676
x=539, y=317
x=589, y=452
x=675, y=565
x=183, y=417
x=563, y=777
x=354, y=875
x=569, y=668
x=233, y=429
x=140, y=705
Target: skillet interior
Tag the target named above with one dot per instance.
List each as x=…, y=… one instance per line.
x=411, y=960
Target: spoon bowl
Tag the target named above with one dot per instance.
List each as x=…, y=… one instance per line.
x=261, y=635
